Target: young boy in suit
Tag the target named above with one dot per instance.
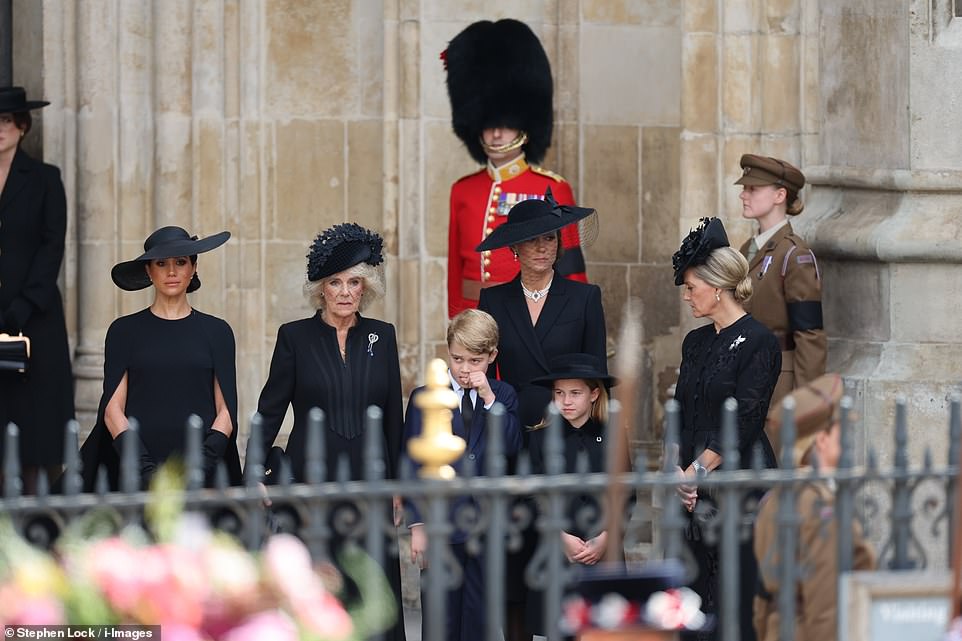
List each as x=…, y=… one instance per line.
x=472, y=346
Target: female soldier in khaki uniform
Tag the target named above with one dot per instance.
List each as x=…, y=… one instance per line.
x=816, y=614
x=786, y=280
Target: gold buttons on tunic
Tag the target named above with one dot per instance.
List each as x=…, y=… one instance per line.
x=488, y=230
x=487, y=274
x=490, y=218
x=487, y=261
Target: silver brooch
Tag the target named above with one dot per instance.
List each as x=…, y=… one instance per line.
x=371, y=339
x=735, y=343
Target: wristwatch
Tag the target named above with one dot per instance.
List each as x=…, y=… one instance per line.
x=700, y=470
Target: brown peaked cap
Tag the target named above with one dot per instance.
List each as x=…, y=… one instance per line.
x=764, y=170
x=816, y=408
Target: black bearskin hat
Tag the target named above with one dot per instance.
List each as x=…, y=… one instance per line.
x=499, y=76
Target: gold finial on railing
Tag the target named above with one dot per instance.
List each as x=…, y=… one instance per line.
x=437, y=447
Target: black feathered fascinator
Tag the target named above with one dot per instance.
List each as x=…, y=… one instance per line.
x=342, y=246
x=696, y=247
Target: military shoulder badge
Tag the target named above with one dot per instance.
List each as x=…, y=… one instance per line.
x=547, y=172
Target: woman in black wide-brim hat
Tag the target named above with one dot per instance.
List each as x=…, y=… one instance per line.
x=164, y=364
x=33, y=225
x=540, y=315
x=733, y=356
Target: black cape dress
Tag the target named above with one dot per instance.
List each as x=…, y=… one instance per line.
x=741, y=361
x=170, y=367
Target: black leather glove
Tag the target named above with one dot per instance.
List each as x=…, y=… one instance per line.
x=145, y=461
x=215, y=444
x=17, y=315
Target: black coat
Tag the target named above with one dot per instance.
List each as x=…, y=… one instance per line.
x=33, y=224
x=572, y=321
x=307, y=372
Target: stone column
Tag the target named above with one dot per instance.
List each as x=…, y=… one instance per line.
x=884, y=213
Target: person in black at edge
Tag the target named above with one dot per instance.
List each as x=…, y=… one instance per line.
x=33, y=227
x=733, y=356
x=341, y=362
x=163, y=364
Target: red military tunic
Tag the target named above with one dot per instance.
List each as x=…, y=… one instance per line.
x=479, y=204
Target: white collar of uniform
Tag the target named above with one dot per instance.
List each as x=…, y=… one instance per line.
x=764, y=237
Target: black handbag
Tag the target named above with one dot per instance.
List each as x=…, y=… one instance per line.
x=14, y=353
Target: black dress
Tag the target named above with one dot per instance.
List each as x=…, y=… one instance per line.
x=33, y=224
x=572, y=321
x=307, y=371
x=170, y=367
x=741, y=361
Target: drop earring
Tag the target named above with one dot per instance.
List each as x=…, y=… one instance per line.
x=717, y=297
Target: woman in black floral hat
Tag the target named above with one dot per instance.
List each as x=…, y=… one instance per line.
x=734, y=356
x=341, y=362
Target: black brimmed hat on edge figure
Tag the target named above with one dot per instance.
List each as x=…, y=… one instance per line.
x=698, y=244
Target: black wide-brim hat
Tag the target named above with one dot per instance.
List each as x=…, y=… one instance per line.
x=341, y=247
x=696, y=247
x=498, y=75
x=14, y=100
x=166, y=242
x=584, y=366
x=532, y=218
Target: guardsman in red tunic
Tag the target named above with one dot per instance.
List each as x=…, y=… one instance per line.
x=499, y=83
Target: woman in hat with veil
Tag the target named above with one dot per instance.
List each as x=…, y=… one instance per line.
x=540, y=315
x=164, y=364
x=33, y=226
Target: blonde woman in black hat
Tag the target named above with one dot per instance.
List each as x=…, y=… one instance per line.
x=164, y=364
x=33, y=224
x=499, y=83
x=733, y=356
x=785, y=276
x=342, y=362
x=540, y=315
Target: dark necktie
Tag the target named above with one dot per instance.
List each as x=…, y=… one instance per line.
x=467, y=412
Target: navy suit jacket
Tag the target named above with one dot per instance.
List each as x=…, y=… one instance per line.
x=475, y=447
x=572, y=321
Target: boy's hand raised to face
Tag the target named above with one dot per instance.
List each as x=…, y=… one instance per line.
x=479, y=382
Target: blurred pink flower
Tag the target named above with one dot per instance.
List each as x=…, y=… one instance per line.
x=289, y=567
x=264, y=626
x=30, y=610
x=324, y=616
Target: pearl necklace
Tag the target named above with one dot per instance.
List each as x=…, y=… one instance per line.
x=538, y=294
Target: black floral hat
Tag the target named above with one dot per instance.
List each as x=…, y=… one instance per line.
x=532, y=218
x=342, y=246
x=696, y=247
x=166, y=242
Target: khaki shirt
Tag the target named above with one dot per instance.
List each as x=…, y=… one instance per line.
x=787, y=298
x=816, y=614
